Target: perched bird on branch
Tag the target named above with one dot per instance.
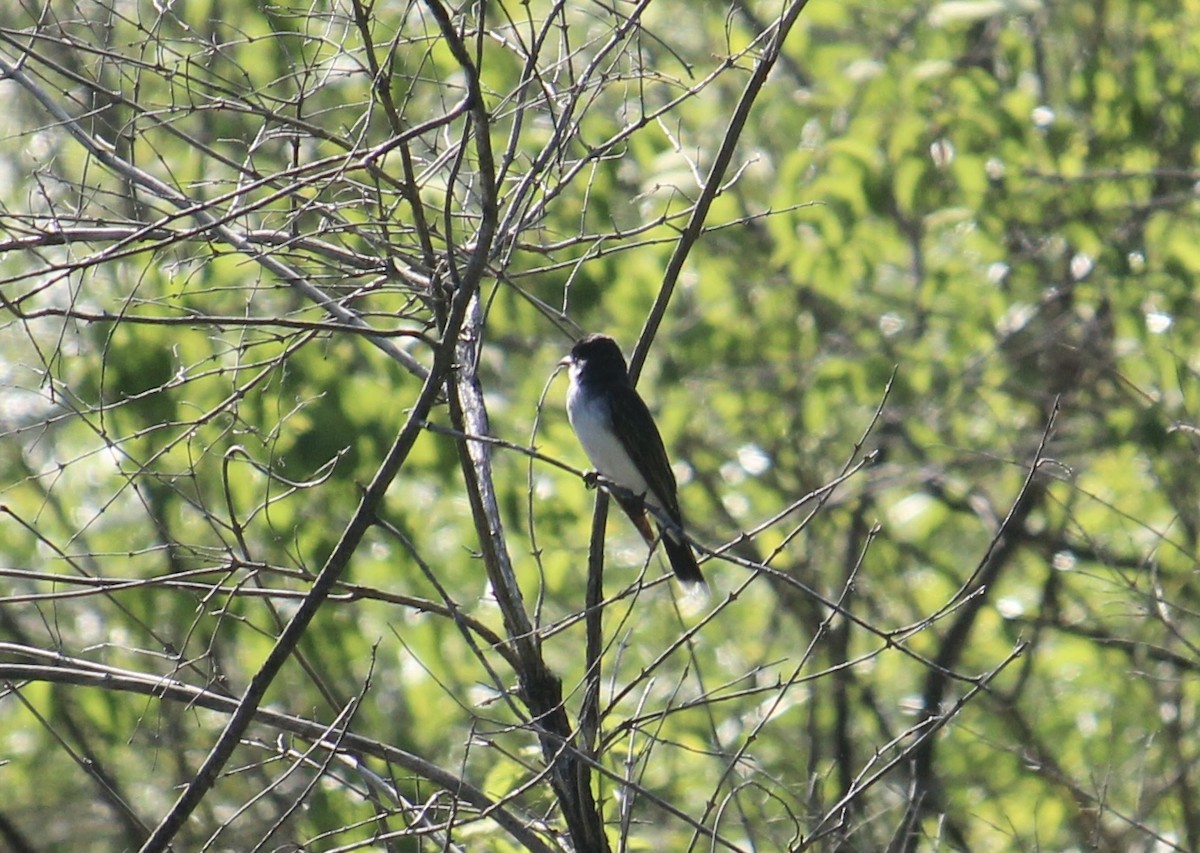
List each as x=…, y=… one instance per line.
x=622, y=441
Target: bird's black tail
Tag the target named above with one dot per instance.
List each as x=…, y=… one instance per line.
x=683, y=561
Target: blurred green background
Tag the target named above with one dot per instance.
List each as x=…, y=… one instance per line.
x=960, y=236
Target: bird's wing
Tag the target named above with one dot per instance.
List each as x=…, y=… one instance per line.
x=638, y=434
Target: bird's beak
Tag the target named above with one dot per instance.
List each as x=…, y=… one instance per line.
x=565, y=361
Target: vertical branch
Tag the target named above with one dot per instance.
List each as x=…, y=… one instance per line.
x=589, y=715
x=541, y=689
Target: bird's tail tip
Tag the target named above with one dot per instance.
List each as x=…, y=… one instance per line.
x=683, y=561
x=696, y=595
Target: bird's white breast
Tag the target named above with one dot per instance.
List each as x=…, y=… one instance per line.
x=592, y=423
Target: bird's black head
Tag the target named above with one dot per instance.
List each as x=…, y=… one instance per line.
x=597, y=358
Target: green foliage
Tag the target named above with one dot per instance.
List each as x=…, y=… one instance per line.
x=955, y=244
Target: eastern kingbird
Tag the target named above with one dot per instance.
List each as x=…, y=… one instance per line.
x=620, y=438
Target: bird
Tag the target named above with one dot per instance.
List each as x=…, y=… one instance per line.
x=623, y=443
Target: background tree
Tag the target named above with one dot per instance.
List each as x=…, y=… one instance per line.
x=295, y=546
